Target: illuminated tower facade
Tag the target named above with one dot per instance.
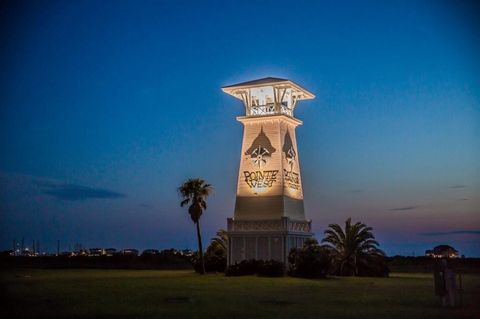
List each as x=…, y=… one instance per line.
x=269, y=218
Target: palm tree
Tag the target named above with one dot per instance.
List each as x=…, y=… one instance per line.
x=351, y=247
x=221, y=240
x=216, y=253
x=194, y=191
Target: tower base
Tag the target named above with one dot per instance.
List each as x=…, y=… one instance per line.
x=265, y=239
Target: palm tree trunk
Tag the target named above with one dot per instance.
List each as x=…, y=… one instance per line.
x=200, y=248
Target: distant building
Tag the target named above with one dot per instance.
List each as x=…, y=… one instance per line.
x=442, y=251
x=82, y=252
x=110, y=251
x=97, y=252
x=129, y=251
x=67, y=254
x=150, y=252
x=186, y=252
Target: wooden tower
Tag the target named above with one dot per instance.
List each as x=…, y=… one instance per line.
x=269, y=218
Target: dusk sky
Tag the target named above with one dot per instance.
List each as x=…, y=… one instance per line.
x=106, y=107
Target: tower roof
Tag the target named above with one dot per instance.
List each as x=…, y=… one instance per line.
x=268, y=80
x=301, y=93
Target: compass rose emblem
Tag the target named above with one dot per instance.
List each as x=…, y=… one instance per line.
x=259, y=156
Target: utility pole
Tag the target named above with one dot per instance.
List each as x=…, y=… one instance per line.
x=58, y=247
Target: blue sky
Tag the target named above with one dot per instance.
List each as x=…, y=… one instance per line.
x=106, y=107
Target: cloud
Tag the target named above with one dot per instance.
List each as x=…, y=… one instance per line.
x=458, y=186
x=74, y=192
x=462, y=199
x=404, y=208
x=455, y=232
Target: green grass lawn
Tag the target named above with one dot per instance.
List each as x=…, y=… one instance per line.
x=183, y=294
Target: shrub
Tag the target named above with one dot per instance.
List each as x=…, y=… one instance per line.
x=271, y=268
x=195, y=260
x=310, y=261
x=215, y=258
x=213, y=262
x=373, y=266
x=234, y=270
x=244, y=268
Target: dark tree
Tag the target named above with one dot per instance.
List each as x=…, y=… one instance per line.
x=221, y=240
x=353, y=248
x=195, y=191
x=215, y=256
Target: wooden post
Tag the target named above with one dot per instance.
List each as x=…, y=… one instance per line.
x=275, y=100
x=281, y=99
